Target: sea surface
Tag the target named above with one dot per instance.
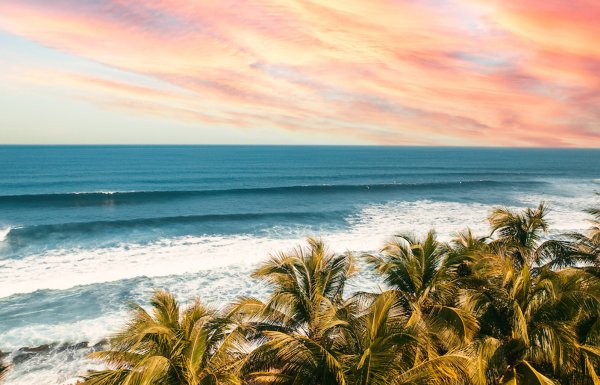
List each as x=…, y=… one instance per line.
x=86, y=229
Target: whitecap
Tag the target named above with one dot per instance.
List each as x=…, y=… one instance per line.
x=217, y=267
x=4, y=233
x=366, y=231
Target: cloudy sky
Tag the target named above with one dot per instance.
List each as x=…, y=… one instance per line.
x=414, y=72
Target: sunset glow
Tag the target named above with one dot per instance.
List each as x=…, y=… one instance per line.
x=419, y=72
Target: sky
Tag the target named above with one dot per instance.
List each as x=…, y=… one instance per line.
x=414, y=72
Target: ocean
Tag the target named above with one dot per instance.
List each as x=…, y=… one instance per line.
x=86, y=229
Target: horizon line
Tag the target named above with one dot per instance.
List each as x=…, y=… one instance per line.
x=286, y=145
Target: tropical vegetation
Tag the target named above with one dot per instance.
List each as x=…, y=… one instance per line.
x=513, y=307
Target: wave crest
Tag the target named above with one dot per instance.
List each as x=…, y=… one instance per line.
x=4, y=233
x=123, y=197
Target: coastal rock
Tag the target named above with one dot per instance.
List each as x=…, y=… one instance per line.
x=100, y=345
x=27, y=352
x=80, y=345
x=45, y=348
x=77, y=346
x=20, y=358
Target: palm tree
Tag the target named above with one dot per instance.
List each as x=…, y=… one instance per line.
x=587, y=246
x=527, y=322
x=519, y=232
x=171, y=346
x=463, y=251
x=307, y=334
x=387, y=349
x=536, y=307
x=426, y=275
x=587, y=331
x=585, y=252
x=301, y=321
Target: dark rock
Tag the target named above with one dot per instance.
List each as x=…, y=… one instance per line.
x=62, y=347
x=37, y=349
x=28, y=352
x=100, y=345
x=77, y=346
x=80, y=345
x=20, y=358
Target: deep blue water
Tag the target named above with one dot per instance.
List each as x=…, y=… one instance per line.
x=92, y=227
x=72, y=196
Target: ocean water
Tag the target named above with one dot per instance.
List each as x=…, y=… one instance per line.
x=84, y=230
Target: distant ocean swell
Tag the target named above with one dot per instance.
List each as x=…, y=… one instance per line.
x=118, y=197
x=22, y=234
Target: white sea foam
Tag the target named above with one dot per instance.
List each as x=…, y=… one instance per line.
x=105, y=192
x=62, y=269
x=217, y=269
x=90, y=330
x=58, y=368
x=4, y=233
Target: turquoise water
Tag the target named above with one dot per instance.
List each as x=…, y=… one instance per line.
x=83, y=230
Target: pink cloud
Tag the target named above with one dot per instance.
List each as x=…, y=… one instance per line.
x=488, y=72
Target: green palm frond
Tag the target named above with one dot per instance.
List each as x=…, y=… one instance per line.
x=426, y=277
x=170, y=345
x=450, y=368
x=519, y=232
x=525, y=373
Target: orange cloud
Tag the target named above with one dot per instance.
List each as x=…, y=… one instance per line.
x=487, y=72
